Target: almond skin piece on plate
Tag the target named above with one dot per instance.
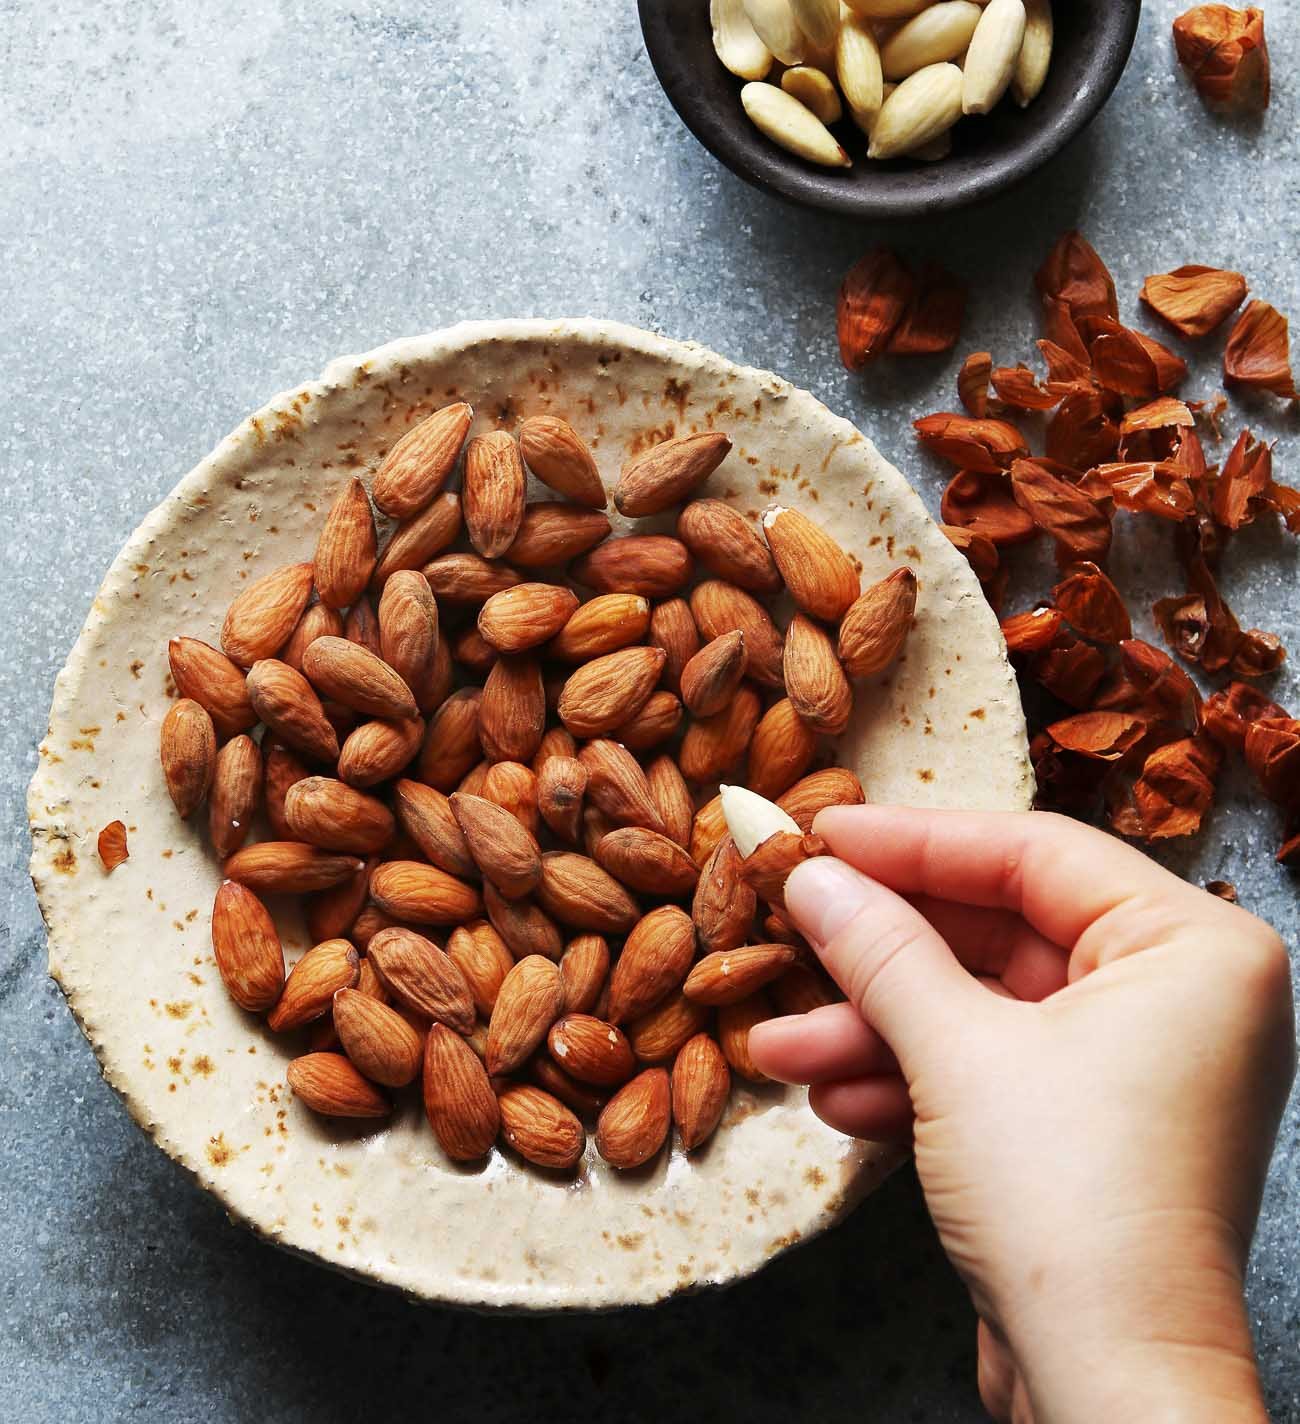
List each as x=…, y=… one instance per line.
x=634, y=1123
x=458, y=1098
x=416, y=468
x=247, y=948
x=328, y=1084
x=701, y=1085
x=540, y=1128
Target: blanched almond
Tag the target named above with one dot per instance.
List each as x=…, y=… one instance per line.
x=775, y=25
x=925, y=105
x=782, y=118
x=1035, y=55
x=938, y=33
x=857, y=67
x=992, y=55
x=736, y=42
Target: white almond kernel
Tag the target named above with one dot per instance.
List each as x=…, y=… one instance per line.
x=735, y=41
x=886, y=9
x=941, y=32
x=818, y=19
x=787, y=123
x=1035, y=53
x=775, y=25
x=925, y=105
x=857, y=67
x=752, y=818
x=991, y=58
x=814, y=91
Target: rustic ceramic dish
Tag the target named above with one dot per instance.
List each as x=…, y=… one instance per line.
x=131, y=950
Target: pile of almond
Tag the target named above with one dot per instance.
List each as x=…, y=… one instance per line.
x=904, y=71
x=457, y=744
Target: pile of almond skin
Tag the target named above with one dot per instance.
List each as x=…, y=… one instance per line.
x=497, y=799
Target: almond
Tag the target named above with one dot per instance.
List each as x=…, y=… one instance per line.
x=575, y=891
x=235, y=793
x=503, y=850
x=921, y=109
x=288, y=704
x=366, y=926
x=777, y=929
x=318, y=621
x=458, y=1098
x=561, y=786
x=259, y=621
x=335, y=816
x=187, y=746
x=724, y=904
x=584, y=967
x=553, y=533
x=701, y=1085
x=525, y=928
x=512, y=711
x=1030, y=73
x=451, y=741
x=655, y=960
x=426, y=816
x=331, y=913
x=781, y=750
x=512, y=784
x=876, y=626
x=652, y=724
x=835, y=786
x=672, y=798
x=801, y=989
x=479, y=952
x=708, y=828
x=209, y=678
x=734, y=1024
x=782, y=118
x=422, y=894
x=350, y=674
x=556, y=454
x=468, y=578
x=416, y=468
x=361, y=626
x=719, y=607
x=672, y=628
x=474, y=655
x=857, y=66
x=591, y=1050
x=525, y=616
x=602, y=625
x=653, y=565
x=735, y=41
x=668, y=473
x=581, y=1097
x=377, y=1039
x=408, y=627
x=328, y=1084
x=814, y=680
x=418, y=540
x=418, y=974
x=713, y=744
x=991, y=56
x=289, y=868
x=595, y=827
x=819, y=574
x=730, y=975
x=728, y=545
x=378, y=750
x=658, y=1036
x=768, y=866
x=529, y=1001
x=608, y=690
x=492, y=492
x=247, y=948
x=813, y=88
x=617, y=785
x=309, y=990
x=647, y=861
x=540, y=1128
x=634, y=1123
x=345, y=551
x=710, y=679
x=280, y=770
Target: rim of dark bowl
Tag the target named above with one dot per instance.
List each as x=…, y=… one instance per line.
x=1095, y=41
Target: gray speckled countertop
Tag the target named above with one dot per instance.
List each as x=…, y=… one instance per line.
x=205, y=202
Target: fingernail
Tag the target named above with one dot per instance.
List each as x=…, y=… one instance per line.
x=823, y=895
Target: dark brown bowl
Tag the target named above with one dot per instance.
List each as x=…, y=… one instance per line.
x=989, y=154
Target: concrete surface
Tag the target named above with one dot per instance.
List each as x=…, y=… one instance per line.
x=203, y=203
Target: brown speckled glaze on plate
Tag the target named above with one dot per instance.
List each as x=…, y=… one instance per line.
x=131, y=950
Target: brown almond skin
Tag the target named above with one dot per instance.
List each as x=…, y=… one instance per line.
x=416, y=468
x=618, y=787
x=451, y=741
x=602, y=625
x=235, y=794
x=591, y=1050
x=458, y=1098
x=281, y=768
x=525, y=927
x=709, y=681
x=653, y=723
x=422, y=894
x=728, y=545
x=595, y=827
x=655, y=960
x=378, y=1040
x=653, y=565
x=669, y=473
x=473, y=654
x=505, y=853
x=730, y=975
x=259, y=621
x=468, y=578
x=247, y=948
x=552, y=533
x=672, y=798
x=366, y=926
x=540, y=1128
x=111, y=847
x=419, y=539
x=833, y=786
x=768, y=867
x=408, y=627
x=672, y=628
x=328, y=1084
x=714, y=744
x=289, y=868
x=346, y=672
x=512, y=711
x=525, y=616
x=426, y=816
x=556, y=742
x=529, y=1001
x=335, y=816
x=634, y=1124
x=188, y=749
x=211, y=679
x=780, y=751
x=819, y=574
x=420, y=976
x=361, y=626
x=561, y=786
x=345, y=551
x=708, y=828
x=701, y=1085
x=331, y=913
x=581, y=1097
x=492, y=492
x=288, y=704
x=579, y=894
x=719, y=608
x=658, y=1036
x=584, y=968
x=814, y=680
x=558, y=456
x=647, y=862
x=876, y=626
x=734, y=1024
x=378, y=750
x=318, y=621
x=608, y=690
x=309, y=990
x=725, y=903
x=512, y=784
x=481, y=955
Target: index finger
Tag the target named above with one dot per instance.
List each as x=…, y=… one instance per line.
x=1059, y=874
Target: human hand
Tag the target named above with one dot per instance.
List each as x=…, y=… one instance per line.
x=1091, y=1058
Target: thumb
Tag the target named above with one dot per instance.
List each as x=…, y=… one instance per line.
x=886, y=956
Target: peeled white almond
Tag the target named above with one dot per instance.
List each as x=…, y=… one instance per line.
x=940, y=32
x=1035, y=52
x=886, y=9
x=867, y=122
x=784, y=120
x=818, y=19
x=735, y=41
x=814, y=91
x=753, y=819
x=775, y=25
x=925, y=105
x=991, y=58
x=857, y=67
